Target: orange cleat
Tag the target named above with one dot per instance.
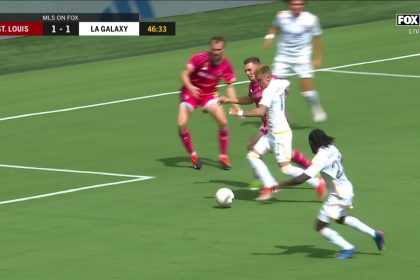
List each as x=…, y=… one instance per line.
x=266, y=194
x=196, y=162
x=225, y=162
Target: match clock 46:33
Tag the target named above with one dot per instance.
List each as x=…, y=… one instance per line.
x=157, y=28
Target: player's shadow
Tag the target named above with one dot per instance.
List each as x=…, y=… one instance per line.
x=243, y=193
x=309, y=250
x=184, y=162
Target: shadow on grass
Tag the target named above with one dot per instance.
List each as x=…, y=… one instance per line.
x=309, y=250
x=184, y=162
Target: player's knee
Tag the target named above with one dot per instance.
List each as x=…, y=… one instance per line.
x=252, y=155
x=319, y=225
x=341, y=220
x=286, y=169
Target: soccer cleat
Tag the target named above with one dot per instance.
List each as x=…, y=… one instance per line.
x=196, y=162
x=255, y=186
x=321, y=189
x=379, y=240
x=346, y=254
x=225, y=162
x=319, y=115
x=266, y=194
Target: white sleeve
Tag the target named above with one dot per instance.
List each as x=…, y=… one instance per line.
x=317, y=30
x=317, y=164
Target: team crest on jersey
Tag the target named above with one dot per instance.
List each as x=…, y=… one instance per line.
x=205, y=66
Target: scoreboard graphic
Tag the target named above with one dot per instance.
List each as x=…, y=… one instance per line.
x=66, y=24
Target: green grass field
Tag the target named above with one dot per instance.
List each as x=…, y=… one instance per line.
x=169, y=227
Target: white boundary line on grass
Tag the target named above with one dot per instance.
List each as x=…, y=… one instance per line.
x=175, y=92
x=372, y=73
x=136, y=179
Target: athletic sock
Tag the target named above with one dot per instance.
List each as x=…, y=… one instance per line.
x=335, y=238
x=186, y=141
x=313, y=99
x=360, y=226
x=223, y=141
x=262, y=171
x=296, y=171
x=300, y=159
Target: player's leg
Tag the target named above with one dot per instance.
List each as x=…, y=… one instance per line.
x=186, y=107
x=305, y=73
x=331, y=210
x=377, y=235
x=300, y=159
x=257, y=183
x=282, y=148
x=217, y=112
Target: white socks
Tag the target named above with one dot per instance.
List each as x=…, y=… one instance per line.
x=335, y=238
x=313, y=98
x=296, y=171
x=261, y=170
x=357, y=224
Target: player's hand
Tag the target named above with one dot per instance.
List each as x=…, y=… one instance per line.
x=267, y=43
x=233, y=111
x=238, y=108
x=223, y=100
x=195, y=91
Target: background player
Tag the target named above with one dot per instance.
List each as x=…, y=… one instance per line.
x=328, y=161
x=203, y=72
x=279, y=136
x=298, y=29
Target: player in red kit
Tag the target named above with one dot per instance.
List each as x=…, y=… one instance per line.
x=202, y=74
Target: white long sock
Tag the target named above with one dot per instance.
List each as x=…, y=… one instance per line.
x=335, y=238
x=360, y=226
x=313, y=99
x=296, y=171
x=261, y=170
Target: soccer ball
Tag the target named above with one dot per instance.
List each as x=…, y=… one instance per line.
x=224, y=197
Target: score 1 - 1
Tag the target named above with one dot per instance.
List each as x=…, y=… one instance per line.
x=61, y=28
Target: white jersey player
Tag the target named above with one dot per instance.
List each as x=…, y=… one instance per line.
x=328, y=161
x=279, y=136
x=298, y=30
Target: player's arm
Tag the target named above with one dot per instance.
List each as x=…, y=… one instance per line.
x=238, y=100
x=257, y=112
x=231, y=93
x=317, y=51
x=268, y=38
x=186, y=80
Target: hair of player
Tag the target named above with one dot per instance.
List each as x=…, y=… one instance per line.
x=318, y=138
x=217, y=39
x=253, y=59
x=263, y=70
x=288, y=1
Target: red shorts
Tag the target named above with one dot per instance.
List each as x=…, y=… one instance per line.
x=195, y=102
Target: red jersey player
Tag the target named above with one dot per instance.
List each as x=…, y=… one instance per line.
x=202, y=74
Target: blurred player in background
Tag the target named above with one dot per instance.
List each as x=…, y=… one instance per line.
x=299, y=30
x=279, y=135
x=328, y=161
x=202, y=74
x=255, y=93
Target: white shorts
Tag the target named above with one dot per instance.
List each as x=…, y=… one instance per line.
x=279, y=143
x=283, y=69
x=334, y=208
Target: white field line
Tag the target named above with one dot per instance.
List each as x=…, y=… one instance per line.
x=136, y=179
x=72, y=171
x=373, y=73
x=71, y=190
x=176, y=92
